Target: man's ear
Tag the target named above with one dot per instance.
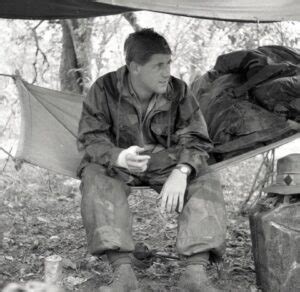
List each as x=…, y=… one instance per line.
x=134, y=68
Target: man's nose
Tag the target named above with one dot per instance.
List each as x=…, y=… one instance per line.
x=166, y=71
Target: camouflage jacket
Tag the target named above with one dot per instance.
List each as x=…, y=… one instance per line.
x=111, y=121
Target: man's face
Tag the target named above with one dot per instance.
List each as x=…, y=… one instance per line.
x=154, y=75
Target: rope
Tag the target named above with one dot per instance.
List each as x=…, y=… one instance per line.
x=8, y=75
x=7, y=153
x=263, y=177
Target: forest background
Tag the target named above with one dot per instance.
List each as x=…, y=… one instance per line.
x=39, y=210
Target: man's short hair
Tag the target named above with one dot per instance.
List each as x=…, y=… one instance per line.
x=141, y=45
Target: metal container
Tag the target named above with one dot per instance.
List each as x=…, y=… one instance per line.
x=275, y=235
x=53, y=270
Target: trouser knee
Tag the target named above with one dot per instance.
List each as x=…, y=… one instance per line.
x=206, y=187
x=95, y=182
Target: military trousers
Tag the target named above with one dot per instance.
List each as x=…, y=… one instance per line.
x=108, y=220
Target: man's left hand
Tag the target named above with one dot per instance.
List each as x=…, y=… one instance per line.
x=173, y=191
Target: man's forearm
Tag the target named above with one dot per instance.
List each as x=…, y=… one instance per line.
x=102, y=153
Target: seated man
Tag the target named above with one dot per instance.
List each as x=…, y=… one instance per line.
x=142, y=126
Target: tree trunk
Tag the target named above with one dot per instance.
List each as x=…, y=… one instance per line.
x=131, y=18
x=74, y=71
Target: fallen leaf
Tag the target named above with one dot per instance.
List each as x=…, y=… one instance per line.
x=74, y=281
x=54, y=238
x=10, y=258
x=42, y=219
x=67, y=263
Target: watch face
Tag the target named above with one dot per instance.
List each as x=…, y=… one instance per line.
x=184, y=169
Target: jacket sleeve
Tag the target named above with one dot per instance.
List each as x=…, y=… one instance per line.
x=193, y=134
x=95, y=128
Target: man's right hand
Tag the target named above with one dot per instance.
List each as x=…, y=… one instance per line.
x=131, y=159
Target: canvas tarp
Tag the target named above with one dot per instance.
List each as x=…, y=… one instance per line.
x=235, y=10
x=49, y=122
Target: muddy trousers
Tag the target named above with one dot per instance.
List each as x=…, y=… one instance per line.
x=108, y=221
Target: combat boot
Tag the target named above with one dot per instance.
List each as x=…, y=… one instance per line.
x=124, y=280
x=195, y=279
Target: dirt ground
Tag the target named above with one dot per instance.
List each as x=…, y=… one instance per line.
x=40, y=216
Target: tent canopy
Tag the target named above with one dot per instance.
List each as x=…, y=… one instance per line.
x=235, y=10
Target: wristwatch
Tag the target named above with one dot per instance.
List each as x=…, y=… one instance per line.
x=183, y=168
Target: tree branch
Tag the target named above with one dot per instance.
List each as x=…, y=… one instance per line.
x=107, y=35
x=8, y=75
x=37, y=51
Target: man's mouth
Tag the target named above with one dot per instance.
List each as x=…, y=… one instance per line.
x=163, y=82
